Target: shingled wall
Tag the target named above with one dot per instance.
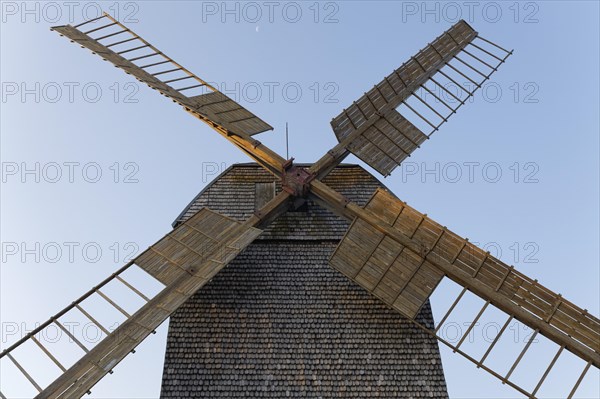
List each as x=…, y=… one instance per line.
x=279, y=322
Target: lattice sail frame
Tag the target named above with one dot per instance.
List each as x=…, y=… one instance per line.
x=404, y=280
x=373, y=130
x=184, y=260
x=162, y=73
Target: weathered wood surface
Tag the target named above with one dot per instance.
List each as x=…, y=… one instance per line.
x=228, y=112
x=185, y=260
x=399, y=85
x=509, y=290
x=372, y=128
x=399, y=277
x=164, y=81
x=185, y=247
x=232, y=130
x=367, y=127
x=387, y=142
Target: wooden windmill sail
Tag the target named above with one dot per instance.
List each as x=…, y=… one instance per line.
x=392, y=250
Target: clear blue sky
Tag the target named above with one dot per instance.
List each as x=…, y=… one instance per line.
x=63, y=110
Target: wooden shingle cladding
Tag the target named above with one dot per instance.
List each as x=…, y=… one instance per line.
x=233, y=193
x=280, y=322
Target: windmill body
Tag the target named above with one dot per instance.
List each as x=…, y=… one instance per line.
x=279, y=322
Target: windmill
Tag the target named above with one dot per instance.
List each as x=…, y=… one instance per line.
x=391, y=250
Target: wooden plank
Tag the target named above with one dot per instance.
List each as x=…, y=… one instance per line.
x=159, y=267
x=186, y=246
x=228, y=111
x=384, y=269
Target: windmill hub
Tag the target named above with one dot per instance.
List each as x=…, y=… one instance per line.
x=296, y=180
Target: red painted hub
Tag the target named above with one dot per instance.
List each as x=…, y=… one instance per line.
x=296, y=180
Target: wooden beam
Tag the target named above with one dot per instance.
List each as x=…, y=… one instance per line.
x=337, y=155
x=256, y=150
x=87, y=371
x=336, y=202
